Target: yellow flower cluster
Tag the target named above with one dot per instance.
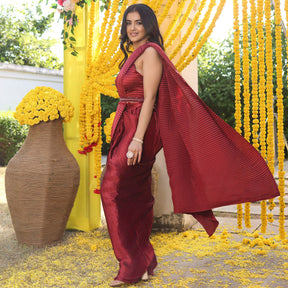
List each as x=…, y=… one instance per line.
x=246, y=64
x=262, y=82
x=247, y=215
x=108, y=126
x=270, y=219
x=262, y=99
x=237, y=67
x=232, y=263
x=239, y=216
x=43, y=104
x=280, y=112
x=246, y=87
x=237, y=89
x=269, y=86
x=260, y=241
x=91, y=29
x=269, y=92
x=254, y=64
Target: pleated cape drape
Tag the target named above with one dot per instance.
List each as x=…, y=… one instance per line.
x=209, y=164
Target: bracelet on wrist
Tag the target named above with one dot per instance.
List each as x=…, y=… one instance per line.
x=137, y=140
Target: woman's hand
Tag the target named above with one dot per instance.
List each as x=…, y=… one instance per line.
x=136, y=148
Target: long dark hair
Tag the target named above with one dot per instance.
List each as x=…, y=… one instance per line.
x=150, y=24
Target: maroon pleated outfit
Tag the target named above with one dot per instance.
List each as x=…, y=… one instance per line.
x=209, y=164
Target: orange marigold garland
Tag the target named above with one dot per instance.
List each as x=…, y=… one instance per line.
x=280, y=113
x=98, y=153
x=262, y=97
x=269, y=93
x=237, y=89
x=254, y=74
x=246, y=87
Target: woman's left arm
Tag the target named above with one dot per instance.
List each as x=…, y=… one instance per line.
x=152, y=73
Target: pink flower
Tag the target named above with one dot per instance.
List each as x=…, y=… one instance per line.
x=70, y=21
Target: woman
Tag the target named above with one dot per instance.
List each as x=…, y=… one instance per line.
x=209, y=164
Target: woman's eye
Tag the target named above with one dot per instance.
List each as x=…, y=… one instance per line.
x=139, y=23
x=128, y=23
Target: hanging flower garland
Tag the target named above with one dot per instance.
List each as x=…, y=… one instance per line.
x=197, y=34
x=262, y=82
x=181, y=24
x=262, y=98
x=254, y=72
x=269, y=92
x=280, y=112
x=164, y=14
x=190, y=57
x=246, y=87
x=188, y=32
x=237, y=88
x=174, y=20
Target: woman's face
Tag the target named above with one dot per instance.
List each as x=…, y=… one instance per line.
x=135, y=29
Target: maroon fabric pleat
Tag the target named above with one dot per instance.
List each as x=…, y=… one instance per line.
x=209, y=164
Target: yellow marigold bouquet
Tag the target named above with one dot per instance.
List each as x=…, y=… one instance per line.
x=43, y=104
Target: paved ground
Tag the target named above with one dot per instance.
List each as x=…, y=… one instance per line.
x=232, y=259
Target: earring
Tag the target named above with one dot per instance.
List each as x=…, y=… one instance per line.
x=128, y=43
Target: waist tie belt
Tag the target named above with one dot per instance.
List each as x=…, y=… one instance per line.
x=131, y=100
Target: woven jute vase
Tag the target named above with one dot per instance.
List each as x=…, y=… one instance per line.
x=41, y=183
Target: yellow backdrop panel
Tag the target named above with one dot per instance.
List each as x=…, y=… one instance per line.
x=86, y=212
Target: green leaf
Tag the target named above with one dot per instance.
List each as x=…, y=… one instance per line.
x=22, y=36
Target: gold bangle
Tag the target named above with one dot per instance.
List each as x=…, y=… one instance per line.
x=138, y=140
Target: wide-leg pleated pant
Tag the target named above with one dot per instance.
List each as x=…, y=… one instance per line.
x=126, y=195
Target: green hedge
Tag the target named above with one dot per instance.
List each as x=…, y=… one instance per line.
x=12, y=136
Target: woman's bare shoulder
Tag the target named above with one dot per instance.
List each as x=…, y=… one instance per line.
x=151, y=53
